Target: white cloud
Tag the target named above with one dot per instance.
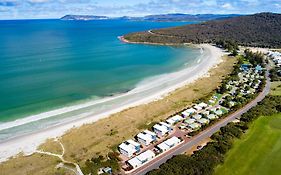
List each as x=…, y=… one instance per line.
x=58, y=8
x=278, y=5
x=210, y=2
x=227, y=6
x=38, y=1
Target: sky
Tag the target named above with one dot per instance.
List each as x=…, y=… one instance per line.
x=32, y=9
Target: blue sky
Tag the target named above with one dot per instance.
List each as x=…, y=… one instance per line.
x=21, y=9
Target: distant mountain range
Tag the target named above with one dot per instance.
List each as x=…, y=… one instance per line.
x=262, y=30
x=161, y=18
x=187, y=17
x=83, y=17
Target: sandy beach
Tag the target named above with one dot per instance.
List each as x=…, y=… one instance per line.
x=163, y=85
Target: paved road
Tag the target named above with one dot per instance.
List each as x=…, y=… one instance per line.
x=203, y=135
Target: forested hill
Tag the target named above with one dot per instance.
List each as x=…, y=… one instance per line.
x=262, y=30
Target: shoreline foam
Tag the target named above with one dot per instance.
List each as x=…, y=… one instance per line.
x=30, y=142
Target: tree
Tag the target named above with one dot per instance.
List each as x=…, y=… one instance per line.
x=234, y=52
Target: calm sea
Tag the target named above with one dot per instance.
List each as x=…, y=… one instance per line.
x=50, y=64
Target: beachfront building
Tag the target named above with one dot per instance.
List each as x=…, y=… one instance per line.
x=127, y=149
x=211, y=117
x=197, y=117
x=171, y=142
x=163, y=147
x=168, y=144
x=194, y=126
x=141, y=159
x=162, y=128
x=197, y=107
x=136, y=145
x=168, y=126
x=189, y=121
x=174, y=119
x=134, y=162
x=203, y=121
x=203, y=105
x=146, y=156
x=146, y=137
x=219, y=112
x=205, y=113
x=152, y=134
x=188, y=112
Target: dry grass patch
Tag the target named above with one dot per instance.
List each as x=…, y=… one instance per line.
x=51, y=146
x=34, y=164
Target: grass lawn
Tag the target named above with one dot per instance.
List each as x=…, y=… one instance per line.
x=258, y=152
x=275, y=88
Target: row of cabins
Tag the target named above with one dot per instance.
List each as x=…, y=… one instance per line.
x=130, y=147
x=146, y=137
x=148, y=155
x=249, y=81
x=196, y=121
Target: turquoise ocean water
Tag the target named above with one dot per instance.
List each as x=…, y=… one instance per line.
x=50, y=64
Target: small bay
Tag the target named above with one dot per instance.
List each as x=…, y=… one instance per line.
x=50, y=64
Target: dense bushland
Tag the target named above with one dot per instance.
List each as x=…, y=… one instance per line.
x=262, y=30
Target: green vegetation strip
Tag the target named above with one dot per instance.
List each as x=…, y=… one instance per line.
x=258, y=152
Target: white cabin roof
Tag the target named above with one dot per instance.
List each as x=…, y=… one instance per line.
x=145, y=137
x=149, y=132
x=186, y=113
x=165, y=124
x=197, y=117
x=203, y=120
x=163, y=146
x=190, y=110
x=134, y=162
x=161, y=128
x=190, y=121
x=194, y=125
x=172, y=141
x=211, y=116
x=171, y=121
x=146, y=155
x=197, y=107
x=128, y=148
x=219, y=112
x=203, y=105
x=132, y=142
x=177, y=118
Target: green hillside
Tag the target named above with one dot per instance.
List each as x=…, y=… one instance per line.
x=262, y=30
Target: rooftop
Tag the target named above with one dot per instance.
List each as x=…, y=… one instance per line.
x=160, y=128
x=146, y=155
